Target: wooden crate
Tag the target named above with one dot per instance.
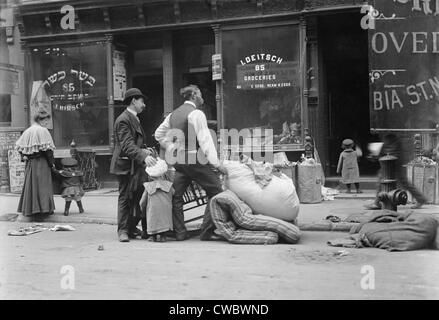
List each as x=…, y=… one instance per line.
x=425, y=178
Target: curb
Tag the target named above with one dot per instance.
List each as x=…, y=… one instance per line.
x=354, y=198
x=70, y=219
x=313, y=226
x=58, y=195
x=327, y=226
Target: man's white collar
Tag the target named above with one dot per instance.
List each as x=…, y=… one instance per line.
x=190, y=102
x=132, y=111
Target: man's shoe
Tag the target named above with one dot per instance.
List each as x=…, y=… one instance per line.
x=135, y=233
x=123, y=237
x=181, y=236
x=210, y=236
x=372, y=206
x=417, y=205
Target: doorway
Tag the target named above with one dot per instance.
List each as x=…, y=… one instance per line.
x=208, y=89
x=345, y=57
x=150, y=119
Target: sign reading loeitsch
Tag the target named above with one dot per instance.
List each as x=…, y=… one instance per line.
x=404, y=63
x=265, y=71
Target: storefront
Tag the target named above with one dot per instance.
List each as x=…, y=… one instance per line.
x=271, y=72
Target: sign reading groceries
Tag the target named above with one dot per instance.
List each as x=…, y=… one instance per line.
x=266, y=71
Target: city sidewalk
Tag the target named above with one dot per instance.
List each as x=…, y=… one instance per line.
x=101, y=208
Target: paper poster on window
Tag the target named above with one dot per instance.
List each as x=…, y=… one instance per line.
x=7, y=142
x=16, y=171
x=119, y=75
x=266, y=71
x=40, y=101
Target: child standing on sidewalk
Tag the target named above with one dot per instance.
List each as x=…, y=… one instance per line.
x=157, y=201
x=348, y=166
x=71, y=184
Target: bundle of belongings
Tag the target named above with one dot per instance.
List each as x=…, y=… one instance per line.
x=258, y=207
x=392, y=231
x=264, y=192
x=236, y=222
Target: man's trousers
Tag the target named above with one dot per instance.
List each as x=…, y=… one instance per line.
x=207, y=179
x=128, y=208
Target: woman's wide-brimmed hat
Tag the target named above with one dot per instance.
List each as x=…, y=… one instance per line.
x=132, y=93
x=347, y=143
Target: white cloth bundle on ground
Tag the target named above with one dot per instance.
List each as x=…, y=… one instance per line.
x=277, y=199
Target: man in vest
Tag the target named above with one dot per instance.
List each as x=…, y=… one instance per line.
x=130, y=157
x=190, y=121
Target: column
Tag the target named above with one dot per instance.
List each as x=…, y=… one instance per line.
x=303, y=75
x=219, y=83
x=168, y=73
x=110, y=97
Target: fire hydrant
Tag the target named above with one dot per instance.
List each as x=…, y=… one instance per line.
x=390, y=196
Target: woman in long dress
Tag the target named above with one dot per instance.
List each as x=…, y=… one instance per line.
x=36, y=148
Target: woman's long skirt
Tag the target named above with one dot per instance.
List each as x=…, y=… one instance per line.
x=37, y=194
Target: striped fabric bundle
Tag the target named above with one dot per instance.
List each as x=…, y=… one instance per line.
x=236, y=222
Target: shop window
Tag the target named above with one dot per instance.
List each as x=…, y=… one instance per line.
x=71, y=84
x=261, y=82
x=193, y=53
x=148, y=60
x=5, y=110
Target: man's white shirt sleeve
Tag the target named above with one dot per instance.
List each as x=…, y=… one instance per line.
x=160, y=133
x=198, y=120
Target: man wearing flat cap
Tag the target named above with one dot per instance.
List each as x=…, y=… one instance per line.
x=191, y=122
x=130, y=156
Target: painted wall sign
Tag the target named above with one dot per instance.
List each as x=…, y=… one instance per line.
x=69, y=88
x=404, y=64
x=265, y=71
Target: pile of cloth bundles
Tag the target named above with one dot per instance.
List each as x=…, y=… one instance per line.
x=264, y=192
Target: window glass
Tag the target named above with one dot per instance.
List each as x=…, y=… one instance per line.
x=5, y=110
x=71, y=83
x=261, y=87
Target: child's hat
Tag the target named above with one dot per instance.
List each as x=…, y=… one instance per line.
x=157, y=170
x=347, y=143
x=69, y=162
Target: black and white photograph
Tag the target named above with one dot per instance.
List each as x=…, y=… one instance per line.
x=219, y=155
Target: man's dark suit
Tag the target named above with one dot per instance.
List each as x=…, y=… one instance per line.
x=128, y=164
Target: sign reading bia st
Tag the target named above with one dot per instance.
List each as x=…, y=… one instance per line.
x=404, y=63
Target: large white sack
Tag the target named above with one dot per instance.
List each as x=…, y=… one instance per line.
x=278, y=199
